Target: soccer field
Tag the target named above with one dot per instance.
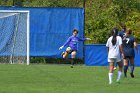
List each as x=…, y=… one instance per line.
x=63, y=79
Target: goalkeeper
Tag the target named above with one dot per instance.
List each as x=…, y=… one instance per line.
x=72, y=46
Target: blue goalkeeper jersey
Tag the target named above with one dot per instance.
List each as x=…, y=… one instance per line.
x=72, y=42
x=128, y=46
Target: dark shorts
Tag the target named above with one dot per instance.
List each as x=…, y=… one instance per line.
x=128, y=57
x=128, y=53
x=69, y=52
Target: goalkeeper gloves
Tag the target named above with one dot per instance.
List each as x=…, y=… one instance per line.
x=88, y=39
x=61, y=47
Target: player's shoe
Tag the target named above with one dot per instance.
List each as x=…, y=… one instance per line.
x=132, y=75
x=125, y=75
x=110, y=83
x=114, y=68
x=118, y=81
x=71, y=66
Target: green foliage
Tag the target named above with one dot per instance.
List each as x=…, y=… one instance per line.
x=103, y=15
x=6, y=2
x=44, y=60
x=37, y=60
x=52, y=3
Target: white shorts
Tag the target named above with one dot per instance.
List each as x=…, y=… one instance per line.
x=114, y=59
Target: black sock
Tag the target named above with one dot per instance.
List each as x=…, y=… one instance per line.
x=72, y=61
x=131, y=68
x=125, y=70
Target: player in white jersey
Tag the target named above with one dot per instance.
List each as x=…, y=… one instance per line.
x=114, y=45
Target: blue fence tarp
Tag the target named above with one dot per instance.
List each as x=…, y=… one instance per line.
x=96, y=55
x=50, y=28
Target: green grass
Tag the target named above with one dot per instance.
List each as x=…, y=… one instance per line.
x=63, y=79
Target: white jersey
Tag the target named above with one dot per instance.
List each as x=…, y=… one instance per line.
x=114, y=51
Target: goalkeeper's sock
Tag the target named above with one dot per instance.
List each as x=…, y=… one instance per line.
x=72, y=61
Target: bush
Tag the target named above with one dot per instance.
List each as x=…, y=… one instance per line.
x=44, y=60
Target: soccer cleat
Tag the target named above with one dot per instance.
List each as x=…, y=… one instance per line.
x=118, y=81
x=132, y=75
x=110, y=82
x=125, y=75
x=71, y=66
x=114, y=68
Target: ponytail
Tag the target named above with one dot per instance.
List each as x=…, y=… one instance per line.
x=114, y=34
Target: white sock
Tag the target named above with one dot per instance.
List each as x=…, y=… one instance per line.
x=110, y=77
x=119, y=75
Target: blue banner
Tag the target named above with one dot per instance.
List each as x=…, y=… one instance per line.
x=96, y=55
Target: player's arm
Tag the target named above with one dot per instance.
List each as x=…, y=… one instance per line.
x=121, y=47
x=66, y=43
x=136, y=47
x=83, y=39
x=107, y=45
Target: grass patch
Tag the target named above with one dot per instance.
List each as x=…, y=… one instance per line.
x=63, y=79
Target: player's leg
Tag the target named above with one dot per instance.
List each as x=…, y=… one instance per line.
x=125, y=61
x=115, y=66
x=73, y=55
x=120, y=70
x=65, y=54
x=132, y=67
x=111, y=67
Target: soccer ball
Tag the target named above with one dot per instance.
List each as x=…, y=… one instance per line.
x=68, y=49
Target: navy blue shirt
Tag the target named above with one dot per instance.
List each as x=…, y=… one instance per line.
x=122, y=34
x=128, y=46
